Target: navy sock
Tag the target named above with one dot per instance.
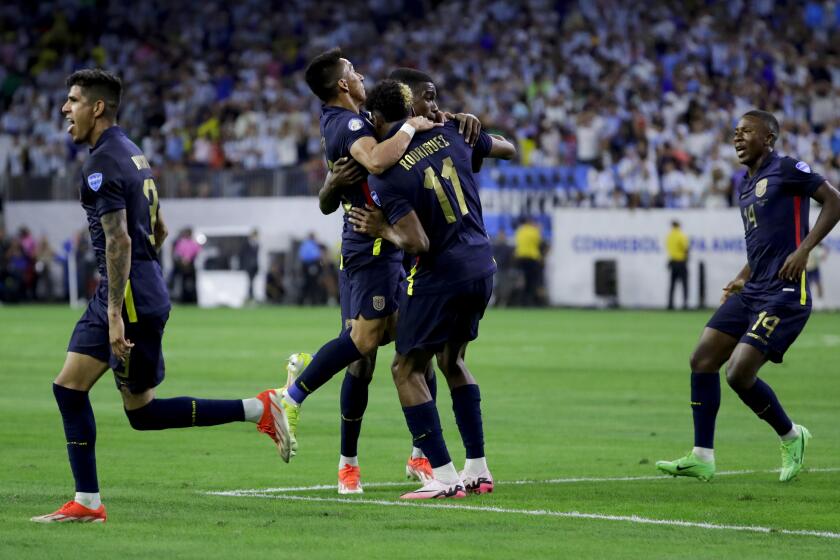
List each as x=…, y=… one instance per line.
x=185, y=412
x=762, y=400
x=424, y=424
x=80, y=432
x=354, y=400
x=431, y=381
x=705, y=402
x=333, y=356
x=466, y=404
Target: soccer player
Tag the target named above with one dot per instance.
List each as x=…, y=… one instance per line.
x=766, y=306
x=370, y=268
x=123, y=325
x=431, y=201
x=345, y=173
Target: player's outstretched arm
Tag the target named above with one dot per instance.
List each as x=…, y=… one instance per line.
x=377, y=157
x=407, y=233
x=161, y=231
x=345, y=173
x=502, y=148
x=828, y=196
x=118, y=264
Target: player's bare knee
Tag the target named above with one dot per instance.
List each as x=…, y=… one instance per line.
x=702, y=361
x=363, y=368
x=366, y=338
x=739, y=377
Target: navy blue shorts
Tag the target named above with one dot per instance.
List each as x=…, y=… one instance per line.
x=144, y=368
x=429, y=321
x=371, y=291
x=771, y=326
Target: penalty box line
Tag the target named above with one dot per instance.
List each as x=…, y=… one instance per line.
x=543, y=512
x=284, y=493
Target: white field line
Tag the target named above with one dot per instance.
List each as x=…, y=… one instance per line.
x=285, y=489
x=543, y=512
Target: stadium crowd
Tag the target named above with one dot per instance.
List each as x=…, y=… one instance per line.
x=638, y=98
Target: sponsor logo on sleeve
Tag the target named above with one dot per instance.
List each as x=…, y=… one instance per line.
x=355, y=124
x=94, y=181
x=803, y=167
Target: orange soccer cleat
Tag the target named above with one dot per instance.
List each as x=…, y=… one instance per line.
x=349, y=480
x=73, y=511
x=273, y=423
x=419, y=469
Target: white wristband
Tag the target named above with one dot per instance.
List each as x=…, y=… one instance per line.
x=408, y=129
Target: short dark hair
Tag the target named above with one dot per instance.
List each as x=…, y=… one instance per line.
x=410, y=77
x=768, y=119
x=323, y=72
x=390, y=98
x=97, y=84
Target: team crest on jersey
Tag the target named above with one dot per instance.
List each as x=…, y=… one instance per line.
x=761, y=188
x=375, y=198
x=355, y=124
x=803, y=167
x=94, y=181
x=379, y=303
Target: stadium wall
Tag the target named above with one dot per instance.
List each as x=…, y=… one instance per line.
x=278, y=219
x=635, y=240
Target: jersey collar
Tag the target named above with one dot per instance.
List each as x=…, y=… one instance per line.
x=108, y=133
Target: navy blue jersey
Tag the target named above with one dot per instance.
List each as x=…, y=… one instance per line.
x=117, y=176
x=774, y=207
x=435, y=179
x=340, y=128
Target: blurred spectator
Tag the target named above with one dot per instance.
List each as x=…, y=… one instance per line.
x=812, y=268
x=275, y=288
x=309, y=256
x=677, y=246
x=505, y=274
x=44, y=273
x=249, y=260
x=528, y=256
x=184, y=253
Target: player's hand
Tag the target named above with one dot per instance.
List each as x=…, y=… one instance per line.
x=733, y=287
x=422, y=124
x=347, y=172
x=794, y=265
x=368, y=220
x=120, y=346
x=468, y=126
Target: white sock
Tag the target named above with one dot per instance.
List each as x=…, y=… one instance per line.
x=416, y=453
x=289, y=398
x=475, y=466
x=446, y=474
x=704, y=453
x=88, y=499
x=352, y=461
x=253, y=409
x=792, y=434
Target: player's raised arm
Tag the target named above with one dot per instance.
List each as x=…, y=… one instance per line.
x=118, y=264
x=346, y=172
x=829, y=197
x=376, y=157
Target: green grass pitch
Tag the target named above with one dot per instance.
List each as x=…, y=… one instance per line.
x=567, y=394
